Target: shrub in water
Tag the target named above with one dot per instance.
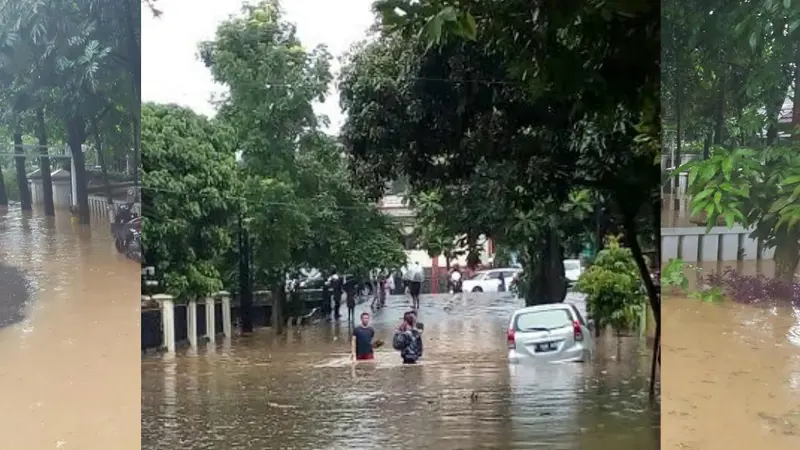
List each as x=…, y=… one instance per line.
x=614, y=294
x=755, y=289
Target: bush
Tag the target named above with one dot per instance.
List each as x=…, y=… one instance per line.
x=755, y=289
x=615, y=296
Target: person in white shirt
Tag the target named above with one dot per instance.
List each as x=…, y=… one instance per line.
x=417, y=277
x=455, y=280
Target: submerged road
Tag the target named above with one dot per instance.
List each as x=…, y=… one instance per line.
x=69, y=336
x=301, y=391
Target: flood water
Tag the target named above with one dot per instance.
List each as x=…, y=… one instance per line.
x=301, y=391
x=69, y=358
x=731, y=373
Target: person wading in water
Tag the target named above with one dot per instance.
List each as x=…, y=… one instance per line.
x=336, y=288
x=361, y=344
x=408, y=339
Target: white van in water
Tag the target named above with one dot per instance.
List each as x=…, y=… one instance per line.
x=549, y=333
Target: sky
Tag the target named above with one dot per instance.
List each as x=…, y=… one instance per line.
x=171, y=72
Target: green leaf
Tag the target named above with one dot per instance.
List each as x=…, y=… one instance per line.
x=753, y=40
x=717, y=198
x=790, y=180
x=729, y=219
x=470, y=26
x=703, y=194
x=448, y=14
x=727, y=168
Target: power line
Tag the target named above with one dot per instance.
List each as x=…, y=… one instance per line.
x=264, y=203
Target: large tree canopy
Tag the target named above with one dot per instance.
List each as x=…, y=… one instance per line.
x=67, y=70
x=730, y=71
x=519, y=108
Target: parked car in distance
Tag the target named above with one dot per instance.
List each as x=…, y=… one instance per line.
x=549, y=333
x=572, y=269
x=489, y=280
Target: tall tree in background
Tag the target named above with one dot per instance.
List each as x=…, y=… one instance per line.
x=730, y=73
x=73, y=62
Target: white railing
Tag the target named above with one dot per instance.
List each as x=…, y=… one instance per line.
x=693, y=244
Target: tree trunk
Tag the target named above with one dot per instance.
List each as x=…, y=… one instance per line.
x=245, y=280
x=101, y=160
x=546, y=269
x=3, y=193
x=278, y=306
x=796, y=100
x=656, y=360
x=629, y=222
x=133, y=25
x=707, y=146
x=22, y=177
x=76, y=136
x=787, y=256
x=719, y=114
x=676, y=179
x=44, y=165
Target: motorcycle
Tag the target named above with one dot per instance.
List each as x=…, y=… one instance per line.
x=133, y=248
x=126, y=221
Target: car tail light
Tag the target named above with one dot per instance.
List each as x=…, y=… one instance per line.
x=576, y=329
x=512, y=343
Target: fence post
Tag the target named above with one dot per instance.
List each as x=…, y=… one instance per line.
x=191, y=322
x=227, y=324
x=210, y=322
x=167, y=304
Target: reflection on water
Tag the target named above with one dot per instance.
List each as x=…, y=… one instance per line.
x=731, y=373
x=300, y=391
x=69, y=370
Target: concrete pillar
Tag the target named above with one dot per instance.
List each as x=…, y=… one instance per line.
x=227, y=323
x=167, y=304
x=211, y=331
x=191, y=322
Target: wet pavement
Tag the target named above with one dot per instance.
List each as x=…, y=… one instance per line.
x=301, y=391
x=731, y=373
x=69, y=358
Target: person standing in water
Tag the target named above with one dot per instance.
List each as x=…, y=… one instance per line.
x=408, y=339
x=417, y=277
x=336, y=287
x=361, y=343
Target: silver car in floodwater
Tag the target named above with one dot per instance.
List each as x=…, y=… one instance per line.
x=549, y=333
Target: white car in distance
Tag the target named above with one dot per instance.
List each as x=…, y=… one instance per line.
x=489, y=280
x=572, y=269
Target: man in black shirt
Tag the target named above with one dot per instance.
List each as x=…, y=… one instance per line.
x=361, y=343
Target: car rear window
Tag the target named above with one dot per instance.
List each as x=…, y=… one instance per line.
x=546, y=319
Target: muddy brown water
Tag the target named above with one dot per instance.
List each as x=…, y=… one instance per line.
x=731, y=372
x=69, y=366
x=300, y=390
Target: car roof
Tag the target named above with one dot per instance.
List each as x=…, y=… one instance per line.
x=547, y=307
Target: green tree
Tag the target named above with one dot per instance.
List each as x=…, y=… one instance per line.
x=302, y=209
x=613, y=288
x=190, y=203
x=68, y=63
x=451, y=109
